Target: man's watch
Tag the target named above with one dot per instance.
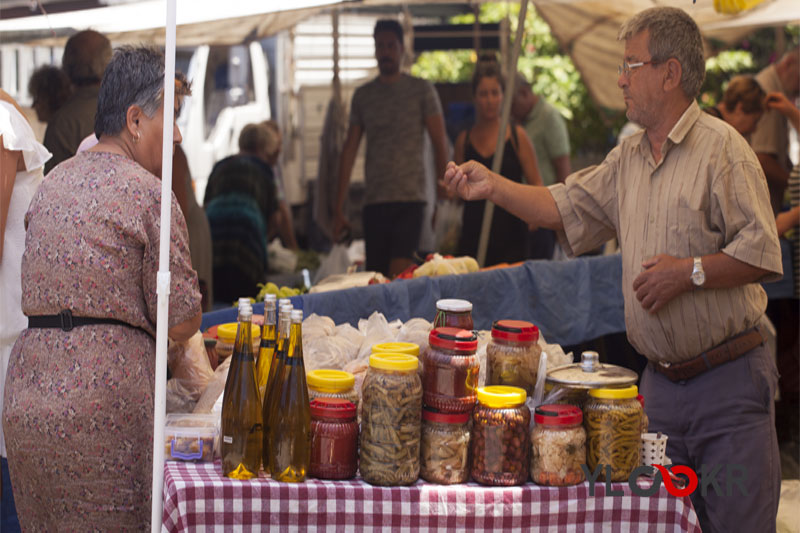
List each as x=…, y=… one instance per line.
x=698, y=274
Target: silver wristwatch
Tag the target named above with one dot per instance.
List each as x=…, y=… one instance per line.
x=698, y=274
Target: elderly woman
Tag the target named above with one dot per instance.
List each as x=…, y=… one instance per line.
x=78, y=411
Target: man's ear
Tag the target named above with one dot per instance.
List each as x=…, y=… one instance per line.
x=132, y=118
x=674, y=73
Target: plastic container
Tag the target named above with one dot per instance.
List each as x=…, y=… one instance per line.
x=613, y=422
x=512, y=356
x=191, y=437
x=226, y=335
x=445, y=447
x=391, y=407
x=500, y=437
x=408, y=348
x=654, y=448
x=334, y=439
x=450, y=370
x=453, y=313
x=558, y=446
x=327, y=383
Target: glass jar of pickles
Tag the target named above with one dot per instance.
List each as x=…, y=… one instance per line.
x=613, y=422
x=445, y=447
x=558, y=446
x=512, y=356
x=500, y=437
x=450, y=370
x=391, y=407
x=327, y=383
x=453, y=313
x=334, y=439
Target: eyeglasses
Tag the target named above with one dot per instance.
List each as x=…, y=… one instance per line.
x=626, y=68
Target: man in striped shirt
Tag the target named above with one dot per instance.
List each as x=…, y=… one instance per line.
x=688, y=202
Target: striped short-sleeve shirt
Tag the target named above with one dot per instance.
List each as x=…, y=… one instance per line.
x=707, y=194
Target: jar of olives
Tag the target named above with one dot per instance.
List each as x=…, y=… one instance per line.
x=500, y=437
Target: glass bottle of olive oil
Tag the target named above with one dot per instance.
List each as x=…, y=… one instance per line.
x=271, y=393
x=267, y=347
x=241, y=406
x=290, y=441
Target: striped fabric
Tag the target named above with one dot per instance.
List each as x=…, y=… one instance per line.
x=706, y=194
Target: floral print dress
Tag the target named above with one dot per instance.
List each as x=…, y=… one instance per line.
x=78, y=411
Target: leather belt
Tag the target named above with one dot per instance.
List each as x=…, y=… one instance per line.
x=66, y=321
x=730, y=350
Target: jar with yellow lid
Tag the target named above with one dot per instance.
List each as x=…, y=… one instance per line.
x=226, y=335
x=391, y=407
x=613, y=421
x=328, y=383
x=500, y=437
x=408, y=348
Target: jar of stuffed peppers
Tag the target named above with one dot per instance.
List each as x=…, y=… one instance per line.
x=445, y=447
x=500, y=437
x=558, y=445
x=334, y=439
x=512, y=356
x=450, y=370
x=613, y=422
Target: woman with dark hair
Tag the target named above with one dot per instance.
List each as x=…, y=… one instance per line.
x=508, y=240
x=78, y=410
x=49, y=87
x=742, y=104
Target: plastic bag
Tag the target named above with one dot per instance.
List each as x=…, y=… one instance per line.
x=447, y=226
x=189, y=364
x=214, y=389
x=336, y=262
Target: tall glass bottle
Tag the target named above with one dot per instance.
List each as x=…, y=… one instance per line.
x=241, y=408
x=278, y=358
x=267, y=347
x=290, y=442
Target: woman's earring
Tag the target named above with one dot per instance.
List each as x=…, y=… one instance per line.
x=138, y=137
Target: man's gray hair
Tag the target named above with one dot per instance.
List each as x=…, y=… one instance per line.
x=673, y=33
x=135, y=76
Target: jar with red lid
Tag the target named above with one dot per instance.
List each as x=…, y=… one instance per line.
x=444, y=447
x=558, y=446
x=512, y=356
x=450, y=370
x=453, y=313
x=334, y=439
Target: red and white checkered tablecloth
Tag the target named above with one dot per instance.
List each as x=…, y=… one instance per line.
x=198, y=498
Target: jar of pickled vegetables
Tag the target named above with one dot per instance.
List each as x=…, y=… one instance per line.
x=334, y=439
x=453, y=313
x=512, y=356
x=327, y=383
x=226, y=335
x=613, y=422
x=445, y=447
x=391, y=407
x=558, y=446
x=408, y=348
x=500, y=437
x=450, y=370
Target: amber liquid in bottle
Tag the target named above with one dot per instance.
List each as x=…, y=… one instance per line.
x=290, y=441
x=276, y=366
x=241, y=439
x=267, y=348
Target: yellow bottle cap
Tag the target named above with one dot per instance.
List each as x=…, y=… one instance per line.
x=326, y=380
x=397, y=347
x=501, y=396
x=393, y=361
x=615, y=394
x=227, y=332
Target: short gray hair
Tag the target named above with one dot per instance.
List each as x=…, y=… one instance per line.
x=135, y=76
x=673, y=33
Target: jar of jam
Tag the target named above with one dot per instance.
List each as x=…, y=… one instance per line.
x=613, y=422
x=391, y=408
x=334, y=439
x=512, y=356
x=500, y=437
x=453, y=313
x=558, y=446
x=326, y=383
x=450, y=370
x=445, y=447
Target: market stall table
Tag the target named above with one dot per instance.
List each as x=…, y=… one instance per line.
x=198, y=497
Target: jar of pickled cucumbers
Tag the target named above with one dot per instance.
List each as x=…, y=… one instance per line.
x=613, y=422
x=500, y=437
x=450, y=370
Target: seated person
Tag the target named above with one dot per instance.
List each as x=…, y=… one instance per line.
x=241, y=206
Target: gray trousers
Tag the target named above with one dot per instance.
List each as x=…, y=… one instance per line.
x=723, y=419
